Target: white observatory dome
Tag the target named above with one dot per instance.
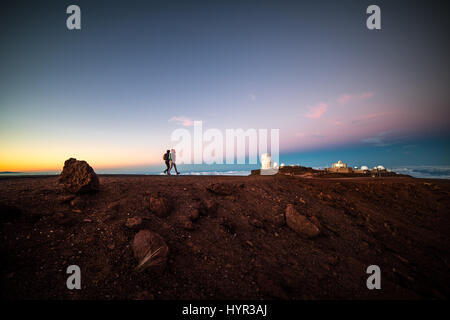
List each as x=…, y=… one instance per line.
x=364, y=168
x=266, y=161
x=380, y=168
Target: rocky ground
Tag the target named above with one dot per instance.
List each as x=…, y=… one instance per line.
x=256, y=237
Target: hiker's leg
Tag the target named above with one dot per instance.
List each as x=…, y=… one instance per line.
x=175, y=166
x=168, y=167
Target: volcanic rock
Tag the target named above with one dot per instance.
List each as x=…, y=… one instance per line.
x=209, y=207
x=220, y=189
x=66, y=198
x=150, y=250
x=77, y=202
x=194, y=214
x=159, y=205
x=256, y=223
x=300, y=223
x=78, y=177
x=187, y=224
x=133, y=222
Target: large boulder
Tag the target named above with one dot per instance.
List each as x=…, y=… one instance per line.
x=150, y=250
x=300, y=223
x=78, y=177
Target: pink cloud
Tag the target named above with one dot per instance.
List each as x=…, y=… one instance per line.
x=366, y=95
x=186, y=122
x=317, y=111
x=346, y=98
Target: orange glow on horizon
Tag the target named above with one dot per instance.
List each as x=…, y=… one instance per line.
x=44, y=167
x=42, y=164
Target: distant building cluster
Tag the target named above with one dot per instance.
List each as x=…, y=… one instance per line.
x=341, y=167
x=270, y=167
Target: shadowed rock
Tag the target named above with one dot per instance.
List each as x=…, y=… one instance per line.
x=78, y=177
x=159, y=205
x=300, y=223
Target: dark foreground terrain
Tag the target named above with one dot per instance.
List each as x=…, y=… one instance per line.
x=239, y=248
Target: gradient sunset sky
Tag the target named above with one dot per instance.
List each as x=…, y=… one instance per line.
x=112, y=92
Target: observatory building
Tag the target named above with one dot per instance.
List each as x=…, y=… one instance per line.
x=340, y=167
x=266, y=161
x=339, y=164
x=268, y=167
x=363, y=169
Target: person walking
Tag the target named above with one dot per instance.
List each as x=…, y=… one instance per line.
x=166, y=158
x=173, y=158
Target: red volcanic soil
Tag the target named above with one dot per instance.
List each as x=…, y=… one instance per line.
x=238, y=248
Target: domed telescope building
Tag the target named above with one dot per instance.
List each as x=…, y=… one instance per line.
x=268, y=167
x=340, y=167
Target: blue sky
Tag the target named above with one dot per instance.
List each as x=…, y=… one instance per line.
x=335, y=89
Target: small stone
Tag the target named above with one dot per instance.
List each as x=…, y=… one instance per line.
x=76, y=202
x=194, y=214
x=133, y=222
x=66, y=198
x=188, y=225
x=90, y=239
x=159, y=205
x=256, y=223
